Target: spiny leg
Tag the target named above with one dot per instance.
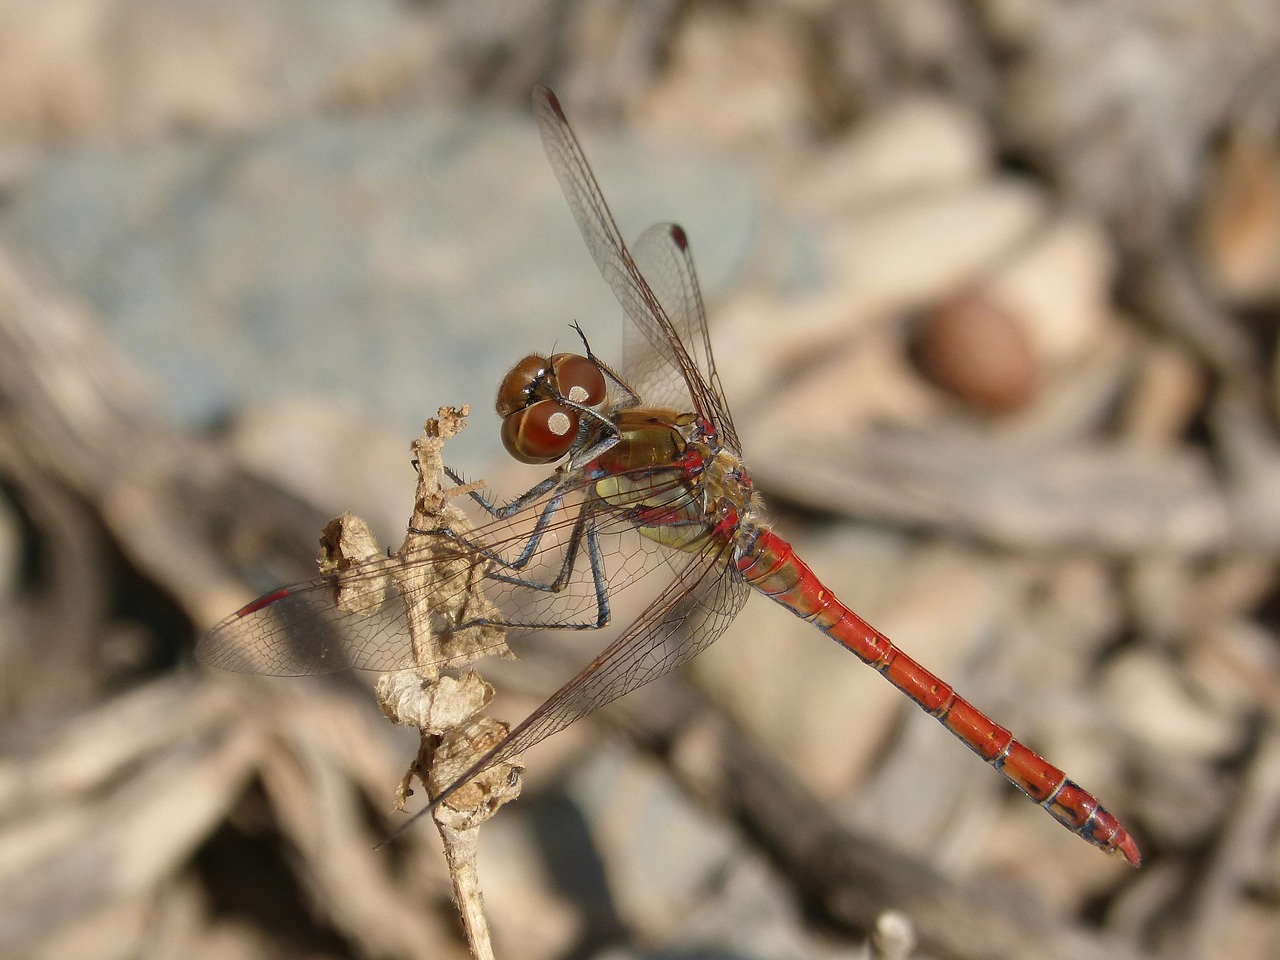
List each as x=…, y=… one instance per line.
x=584, y=529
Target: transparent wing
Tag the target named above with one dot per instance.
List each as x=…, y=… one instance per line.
x=555, y=565
x=706, y=595
x=673, y=324
x=664, y=258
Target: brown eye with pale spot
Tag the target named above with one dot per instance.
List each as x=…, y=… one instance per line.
x=541, y=432
x=521, y=383
x=578, y=379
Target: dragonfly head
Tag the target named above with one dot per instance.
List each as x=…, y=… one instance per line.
x=538, y=425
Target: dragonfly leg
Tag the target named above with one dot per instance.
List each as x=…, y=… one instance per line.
x=512, y=507
x=584, y=531
x=552, y=507
x=479, y=549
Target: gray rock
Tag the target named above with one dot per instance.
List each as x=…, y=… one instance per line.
x=388, y=263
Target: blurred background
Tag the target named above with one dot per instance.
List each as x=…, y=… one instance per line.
x=994, y=289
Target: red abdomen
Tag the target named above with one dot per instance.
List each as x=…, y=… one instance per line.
x=770, y=565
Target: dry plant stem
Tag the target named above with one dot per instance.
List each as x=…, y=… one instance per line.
x=460, y=854
x=447, y=711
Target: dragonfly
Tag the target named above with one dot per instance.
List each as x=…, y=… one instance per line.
x=649, y=488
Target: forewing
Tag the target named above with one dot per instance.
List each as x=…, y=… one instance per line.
x=705, y=596
x=663, y=256
x=301, y=629
x=646, y=310
x=358, y=619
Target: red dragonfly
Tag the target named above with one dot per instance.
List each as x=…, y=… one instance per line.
x=650, y=481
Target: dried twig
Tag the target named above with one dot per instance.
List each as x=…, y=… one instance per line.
x=442, y=597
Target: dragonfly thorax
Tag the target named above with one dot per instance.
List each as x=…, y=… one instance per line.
x=647, y=437
x=667, y=472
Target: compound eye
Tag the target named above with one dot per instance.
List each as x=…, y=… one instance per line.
x=521, y=383
x=578, y=379
x=541, y=432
